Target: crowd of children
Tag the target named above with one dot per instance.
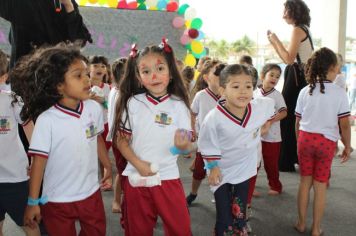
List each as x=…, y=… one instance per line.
x=151, y=110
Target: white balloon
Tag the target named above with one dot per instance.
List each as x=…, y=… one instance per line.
x=151, y=3
x=154, y=167
x=190, y=13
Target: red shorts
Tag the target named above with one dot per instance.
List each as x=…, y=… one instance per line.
x=104, y=134
x=315, y=154
x=199, y=172
x=143, y=205
x=59, y=218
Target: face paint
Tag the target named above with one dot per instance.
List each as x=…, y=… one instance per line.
x=154, y=76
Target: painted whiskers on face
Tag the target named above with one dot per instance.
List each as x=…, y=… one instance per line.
x=153, y=72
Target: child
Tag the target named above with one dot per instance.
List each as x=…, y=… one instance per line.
x=100, y=92
x=66, y=141
x=118, y=69
x=13, y=161
x=271, y=142
x=4, y=66
x=188, y=76
x=147, y=127
x=204, y=101
x=228, y=141
x=319, y=108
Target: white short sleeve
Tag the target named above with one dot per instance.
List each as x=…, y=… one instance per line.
x=300, y=103
x=344, y=110
x=208, y=142
x=195, y=104
x=41, y=137
x=100, y=119
x=280, y=103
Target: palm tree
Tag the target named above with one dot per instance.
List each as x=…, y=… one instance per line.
x=244, y=45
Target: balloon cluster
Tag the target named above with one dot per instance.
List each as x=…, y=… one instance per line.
x=192, y=35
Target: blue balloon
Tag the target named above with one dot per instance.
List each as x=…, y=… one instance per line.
x=162, y=4
x=200, y=36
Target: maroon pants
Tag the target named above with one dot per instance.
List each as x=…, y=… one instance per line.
x=270, y=153
x=59, y=218
x=251, y=186
x=144, y=204
x=199, y=172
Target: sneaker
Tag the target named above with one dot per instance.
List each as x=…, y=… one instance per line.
x=248, y=227
x=190, y=198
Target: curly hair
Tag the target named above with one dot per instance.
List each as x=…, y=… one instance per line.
x=130, y=86
x=298, y=11
x=35, y=77
x=317, y=68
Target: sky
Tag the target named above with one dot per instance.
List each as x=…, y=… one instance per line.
x=231, y=19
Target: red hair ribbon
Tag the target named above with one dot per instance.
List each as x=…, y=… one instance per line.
x=134, y=50
x=165, y=46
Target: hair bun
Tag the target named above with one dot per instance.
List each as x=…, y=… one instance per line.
x=219, y=68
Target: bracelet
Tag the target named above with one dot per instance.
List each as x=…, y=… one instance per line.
x=211, y=165
x=34, y=202
x=176, y=151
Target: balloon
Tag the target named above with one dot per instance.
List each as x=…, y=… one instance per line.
x=200, y=55
x=153, y=8
x=187, y=23
x=178, y=22
x=190, y=13
x=184, y=39
x=151, y=3
x=102, y=2
x=197, y=47
x=201, y=35
x=142, y=6
x=189, y=47
x=182, y=9
x=93, y=1
x=190, y=60
x=132, y=5
x=196, y=23
x=112, y=3
x=140, y=1
x=83, y=2
x=161, y=4
x=193, y=33
x=172, y=6
x=122, y=4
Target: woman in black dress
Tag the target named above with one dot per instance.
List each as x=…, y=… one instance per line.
x=296, y=14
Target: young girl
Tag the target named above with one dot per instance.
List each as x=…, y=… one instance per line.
x=65, y=144
x=228, y=141
x=13, y=163
x=204, y=101
x=188, y=76
x=100, y=92
x=271, y=141
x=149, y=137
x=118, y=69
x=319, y=108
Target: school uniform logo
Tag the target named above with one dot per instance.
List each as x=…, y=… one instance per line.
x=91, y=130
x=4, y=124
x=163, y=118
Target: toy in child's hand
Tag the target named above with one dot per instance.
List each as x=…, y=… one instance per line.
x=185, y=133
x=97, y=91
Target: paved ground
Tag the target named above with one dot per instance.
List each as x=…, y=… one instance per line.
x=272, y=216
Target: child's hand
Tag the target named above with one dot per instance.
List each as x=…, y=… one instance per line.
x=32, y=216
x=345, y=154
x=144, y=168
x=107, y=175
x=214, y=176
x=182, y=139
x=97, y=98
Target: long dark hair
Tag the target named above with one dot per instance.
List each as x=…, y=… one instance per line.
x=298, y=11
x=35, y=77
x=318, y=66
x=130, y=86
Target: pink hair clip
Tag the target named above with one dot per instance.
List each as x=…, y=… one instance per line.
x=165, y=46
x=134, y=50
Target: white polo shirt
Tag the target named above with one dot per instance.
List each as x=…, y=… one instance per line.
x=13, y=158
x=68, y=138
x=112, y=99
x=233, y=142
x=104, y=90
x=153, y=123
x=319, y=112
x=274, y=133
x=203, y=102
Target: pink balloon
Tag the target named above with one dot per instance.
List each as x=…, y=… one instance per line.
x=185, y=39
x=178, y=22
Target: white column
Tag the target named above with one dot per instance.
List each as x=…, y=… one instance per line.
x=334, y=25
